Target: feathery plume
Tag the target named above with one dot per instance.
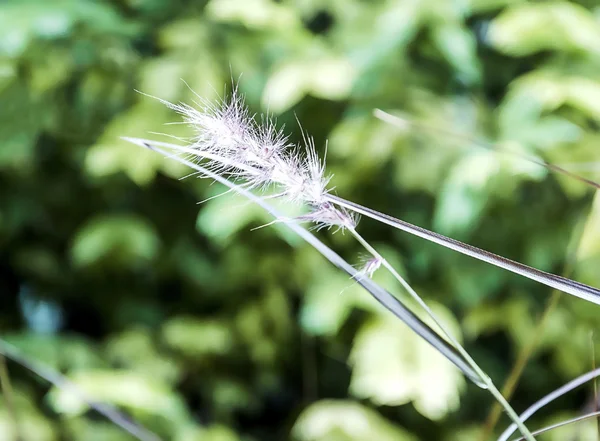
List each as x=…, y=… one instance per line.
x=229, y=141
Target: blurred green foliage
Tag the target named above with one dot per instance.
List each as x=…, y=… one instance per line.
x=202, y=329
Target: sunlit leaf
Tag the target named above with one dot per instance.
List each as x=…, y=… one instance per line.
x=33, y=424
x=142, y=394
x=328, y=302
x=391, y=366
x=458, y=46
x=532, y=27
x=286, y=86
x=112, y=154
x=345, y=421
x=513, y=317
x=331, y=78
x=198, y=338
x=464, y=194
x=212, y=433
x=84, y=428
x=258, y=14
x=136, y=350
x=222, y=217
x=126, y=240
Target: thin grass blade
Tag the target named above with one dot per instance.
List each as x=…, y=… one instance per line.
x=549, y=398
x=578, y=419
x=558, y=282
x=58, y=380
x=402, y=123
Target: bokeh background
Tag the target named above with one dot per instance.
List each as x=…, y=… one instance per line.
x=202, y=329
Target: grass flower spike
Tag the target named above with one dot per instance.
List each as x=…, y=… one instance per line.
x=261, y=156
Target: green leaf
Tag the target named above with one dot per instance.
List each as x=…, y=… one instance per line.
x=479, y=6
x=529, y=96
x=112, y=154
x=464, y=194
x=24, y=20
x=198, y=338
x=331, y=78
x=512, y=316
x=32, y=426
x=373, y=35
x=392, y=366
x=533, y=27
x=42, y=262
x=337, y=420
x=584, y=95
x=8, y=73
x=285, y=87
x=141, y=394
x=83, y=428
x=121, y=240
x=550, y=131
x=328, y=301
x=459, y=47
x=362, y=141
x=254, y=14
x=222, y=217
x=50, y=71
x=327, y=76
x=21, y=120
x=263, y=325
x=212, y=433
x=135, y=349
x=59, y=352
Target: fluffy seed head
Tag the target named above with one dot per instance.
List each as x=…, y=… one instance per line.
x=259, y=153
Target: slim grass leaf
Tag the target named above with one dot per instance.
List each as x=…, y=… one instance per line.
x=549, y=398
x=563, y=284
x=402, y=123
x=563, y=423
x=58, y=380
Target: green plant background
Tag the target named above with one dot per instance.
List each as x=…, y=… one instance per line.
x=202, y=329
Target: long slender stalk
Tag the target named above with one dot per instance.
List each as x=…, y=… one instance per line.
x=385, y=298
x=516, y=371
x=563, y=423
x=403, y=122
x=549, y=398
x=561, y=283
x=461, y=350
x=58, y=380
x=595, y=383
x=380, y=294
x=525, y=353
